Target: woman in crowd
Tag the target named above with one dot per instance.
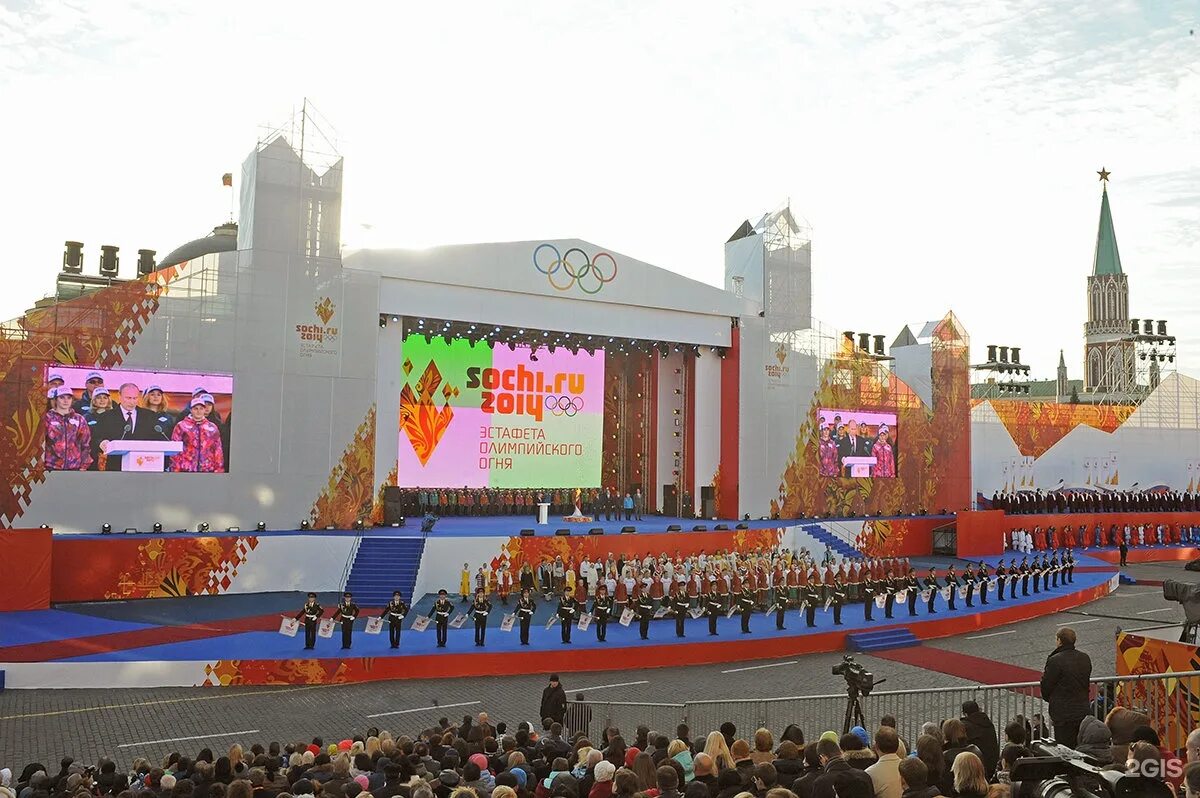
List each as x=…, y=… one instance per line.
x=954, y=742
x=679, y=752
x=716, y=747
x=764, y=745
x=968, y=775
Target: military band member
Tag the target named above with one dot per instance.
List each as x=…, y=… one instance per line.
x=525, y=610
x=347, y=611
x=780, y=606
x=479, y=612
x=394, y=614
x=913, y=586
x=952, y=583
x=931, y=584
x=568, y=613
x=746, y=605
x=679, y=608
x=311, y=614
x=645, y=610
x=714, y=608
x=441, y=616
x=1001, y=574
x=889, y=603
x=810, y=595
x=602, y=609
x=981, y=577
x=969, y=582
x=839, y=598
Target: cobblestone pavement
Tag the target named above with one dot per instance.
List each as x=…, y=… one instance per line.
x=43, y=725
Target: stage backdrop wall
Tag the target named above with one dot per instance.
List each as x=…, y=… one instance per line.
x=1023, y=446
x=26, y=555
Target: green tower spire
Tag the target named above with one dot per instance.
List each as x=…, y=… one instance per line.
x=1107, y=259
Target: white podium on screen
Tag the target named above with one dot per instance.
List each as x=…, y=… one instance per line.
x=859, y=466
x=543, y=513
x=143, y=455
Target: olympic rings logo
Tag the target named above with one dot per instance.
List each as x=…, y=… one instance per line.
x=564, y=405
x=587, y=273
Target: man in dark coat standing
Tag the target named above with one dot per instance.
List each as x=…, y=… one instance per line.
x=982, y=733
x=1065, y=687
x=554, y=701
x=840, y=779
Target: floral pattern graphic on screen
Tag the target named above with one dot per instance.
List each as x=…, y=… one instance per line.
x=423, y=422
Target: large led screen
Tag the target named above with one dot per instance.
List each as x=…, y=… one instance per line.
x=132, y=420
x=857, y=443
x=482, y=416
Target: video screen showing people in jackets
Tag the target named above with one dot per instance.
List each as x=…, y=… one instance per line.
x=129, y=420
x=857, y=443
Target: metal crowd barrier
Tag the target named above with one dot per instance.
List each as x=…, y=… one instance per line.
x=1172, y=700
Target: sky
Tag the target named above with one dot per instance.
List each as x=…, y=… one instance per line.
x=943, y=152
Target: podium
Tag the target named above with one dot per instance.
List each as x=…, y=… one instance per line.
x=859, y=466
x=143, y=455
x=543, y=513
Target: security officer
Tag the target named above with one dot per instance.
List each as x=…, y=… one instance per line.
x=839, y=598
x=981, y=578
x=394, y=614
x=913, y=586
x=441, y=615
x=645, y=612
x=568, y=613
x=714, y=608
x=746, y=604
x=781, y=604
x=952, y=583
x=347, y=611
x=602, y=607
x=931, y=585
x=311, y=613
x=479, y=612
x=525, y=610
x=679, y=608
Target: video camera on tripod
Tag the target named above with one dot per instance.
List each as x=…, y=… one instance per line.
x=1188, y=596
x=1061, y=772
x=859, y=682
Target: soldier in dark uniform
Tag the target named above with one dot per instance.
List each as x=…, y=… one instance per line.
x=952, y=583
x=809, y=596
x=394, y=614
x=869, y=586
x=889, y=602
x=602, y=607
x=679, y=608
x=912, y=586
x=1035, y=571
x=981, y=577
x=1055, y=567
x=746, y=604
x=713, y=607
x=839, y=597
x=441, y=616
x=1069, y=559
x=525, y=610
x=1001, y=574
x=568, y=613
x=645, y=612
x=311, y=614
x=931, y=584
x=347, y=611
x=1024, y=571
x=969, y=582
x=781, y=603
x=479, y=612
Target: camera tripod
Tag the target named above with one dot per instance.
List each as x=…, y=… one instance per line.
x=854, y=713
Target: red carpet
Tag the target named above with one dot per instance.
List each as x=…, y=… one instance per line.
x=964, y=666
x=1148, y=554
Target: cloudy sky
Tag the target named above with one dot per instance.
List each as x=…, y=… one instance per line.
x=944, y=153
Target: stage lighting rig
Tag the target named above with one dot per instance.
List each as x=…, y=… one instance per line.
x=863, y=347
x=106, y=529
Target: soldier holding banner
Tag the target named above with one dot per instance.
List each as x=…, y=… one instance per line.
x=837, y=598
x=602, y=608
x=310, y=613
x=912, y=587
x=441, y=614
x=479, y=612
x=889, y=602
x=746, y=606
x=347, y=611
x=981, y=576
x=568, y=613
x=781, y=604
x=969, y=583
x=931, y=587
x=394, y=614
x=809, y=598
x=525, y=610
x=952, y=583
x=713, y=607
x=679, y=607
x=869, y=587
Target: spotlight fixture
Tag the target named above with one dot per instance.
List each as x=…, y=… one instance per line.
x=202, y=526
x=157, y=526
x=261, y=527
x=358, y=524
x=233, y=529
x=305, y=525
x=106, y=529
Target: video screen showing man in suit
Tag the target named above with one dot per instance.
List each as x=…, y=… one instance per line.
x=857, y=443
x=131, y=418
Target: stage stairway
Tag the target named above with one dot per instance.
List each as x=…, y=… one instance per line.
x=814, y=537
x=882, y=640
x=382, y=565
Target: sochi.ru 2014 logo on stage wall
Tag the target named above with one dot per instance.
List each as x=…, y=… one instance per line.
x=319, y=339
x=780, y=371
x=574, y=268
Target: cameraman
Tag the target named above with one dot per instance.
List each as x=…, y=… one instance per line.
x=1065, y=687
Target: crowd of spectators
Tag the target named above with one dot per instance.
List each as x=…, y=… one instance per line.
x=964, y=756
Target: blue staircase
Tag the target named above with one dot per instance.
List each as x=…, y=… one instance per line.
x=840, y=547
x=382, y=565
x=1126, y=579
x=882, y=640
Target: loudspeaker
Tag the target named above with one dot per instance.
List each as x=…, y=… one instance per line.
x=670, y=499
x=742, y=526
x=721, y=528
x=699, y=528
x=527, y=533
x=628, y=530
x=596, y=530
x=562, y=532
x=393, y=509
x=674, y=528
x=708, y=501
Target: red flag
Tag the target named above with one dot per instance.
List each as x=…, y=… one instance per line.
x=227, y=179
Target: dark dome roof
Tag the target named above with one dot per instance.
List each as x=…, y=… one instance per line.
x=222, y=239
